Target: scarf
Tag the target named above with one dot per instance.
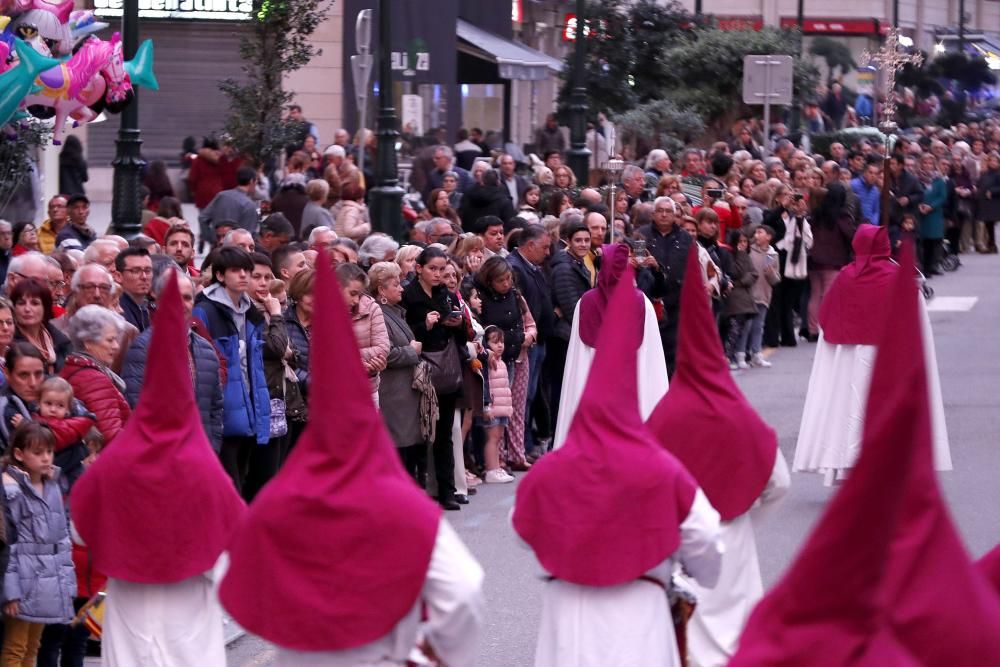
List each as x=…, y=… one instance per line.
x=43, y=344
x=927, y=177
x=116, y=379
x=797, y=242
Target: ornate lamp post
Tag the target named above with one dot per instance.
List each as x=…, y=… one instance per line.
x=890, y=60
x=579, y=155
x=387, y=197
x=126, y=207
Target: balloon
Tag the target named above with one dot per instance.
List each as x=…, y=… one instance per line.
x=140, y=68
x=18, y=81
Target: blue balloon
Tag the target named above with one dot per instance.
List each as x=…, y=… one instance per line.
x=140, y=68
x=18, y=81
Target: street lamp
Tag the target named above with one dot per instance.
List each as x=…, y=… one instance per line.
x=579, y=155
x=387, y=197
x=126, y=205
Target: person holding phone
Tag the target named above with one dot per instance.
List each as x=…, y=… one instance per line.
x=716, y=197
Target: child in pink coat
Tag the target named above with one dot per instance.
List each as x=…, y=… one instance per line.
x=498, y=405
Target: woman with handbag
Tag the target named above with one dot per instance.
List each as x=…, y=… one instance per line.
x=265, y=460
x=434, y=315
x=410, y=433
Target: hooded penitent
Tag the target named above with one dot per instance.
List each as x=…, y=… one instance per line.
x=883, y=579
x=594, y=303
x=704, y=420
x=607, y=506
x=335, y=549
x=854, y=309
x=157, y=507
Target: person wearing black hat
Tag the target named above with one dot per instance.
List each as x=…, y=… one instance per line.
x=77, y=229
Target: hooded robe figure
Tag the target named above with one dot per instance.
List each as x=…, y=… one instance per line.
x=341, y=552
x=707, y=423
x=590, y=315
x=851, y=318
x=157, y=511
x=883, y=580
x=610, y=516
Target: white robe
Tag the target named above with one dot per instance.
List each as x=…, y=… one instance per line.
x=714, y=630
x=454, y=598
x=833, y=418
x=165, y=625
x=652, y=373
x=629, y=625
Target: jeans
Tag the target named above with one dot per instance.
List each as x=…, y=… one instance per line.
x=736, y=337
x=536, y=355
x=757, y=328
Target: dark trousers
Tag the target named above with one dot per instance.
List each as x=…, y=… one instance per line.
x=555, y=367
x=235, y=458
x=668, y=337
x=64, y=645
x=264, y=463
x=930, y=256
x=295, y=429
x=444, y=456
x=785, y=302
x=414, y=458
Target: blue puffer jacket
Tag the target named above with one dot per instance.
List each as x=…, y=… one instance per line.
x=207, y=387
x=40, y=573
x=246, y=408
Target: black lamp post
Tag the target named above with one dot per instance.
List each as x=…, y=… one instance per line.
x=126, y=206
x=386, y=199
x=578, y=156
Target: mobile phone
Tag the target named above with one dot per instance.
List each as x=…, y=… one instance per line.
x=455, y=313
x=639, y=249
x=798, y=196
x=715, y=193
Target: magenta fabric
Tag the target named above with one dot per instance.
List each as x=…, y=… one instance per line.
x=157, y=507
x=607, y=506
x=853, y=311
x=989, y=566
x=594, y=303
x=883, y=578
x=335, y=549
x=704, y=420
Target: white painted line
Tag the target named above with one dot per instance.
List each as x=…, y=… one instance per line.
x=952, y=304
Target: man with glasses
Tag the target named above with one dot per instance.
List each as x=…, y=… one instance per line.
x=29, y=265
x=6, y=241
x=50, y=228
x=668, y=244
x=135, y=273
x=91, y=285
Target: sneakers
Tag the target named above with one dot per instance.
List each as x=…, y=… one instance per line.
x=733, y=365
x=741, y=363
x=498, y=476
x=471, y=480
x=759, y=360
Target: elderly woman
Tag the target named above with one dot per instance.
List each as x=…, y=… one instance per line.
x=406, y=257
x=377, y=248
x=96, y=334
x=316, y=214
x=25, y=238
x=369, y=325
x=32, y=301
x=409, y=431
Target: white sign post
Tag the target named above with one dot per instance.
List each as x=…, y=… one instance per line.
x=767, y=80
x=361, y=70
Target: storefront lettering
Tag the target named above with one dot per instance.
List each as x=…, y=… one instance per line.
x=227, y=10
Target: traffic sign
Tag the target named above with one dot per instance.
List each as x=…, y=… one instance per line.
x=767, y=79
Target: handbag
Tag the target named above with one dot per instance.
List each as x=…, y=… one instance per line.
x=446, y=369
x=279, y=425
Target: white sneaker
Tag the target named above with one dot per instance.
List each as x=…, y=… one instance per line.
x=742, y=364
x=733, y=365
x=759, y=360
x=498, y=476
x=472, y=481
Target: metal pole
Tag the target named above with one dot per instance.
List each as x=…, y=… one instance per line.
x=386, y=199
x=800, y=16
x=895, y=14
x=126, y=206
x=765, y=148
x=795, y=119
x=697, y=8
x=961, y=26
x=883, y=213
x=578, y=155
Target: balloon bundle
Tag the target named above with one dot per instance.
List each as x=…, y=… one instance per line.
x=52, y=65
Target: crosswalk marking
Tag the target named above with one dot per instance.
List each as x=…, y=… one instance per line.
x=952, y=304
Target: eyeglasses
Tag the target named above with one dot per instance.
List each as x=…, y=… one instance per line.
x=57, y=284
x=7, y=323
x=90, y=287
x=139, y=271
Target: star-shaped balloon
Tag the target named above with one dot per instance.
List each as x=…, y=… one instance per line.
x=140, y=68
x=18, y=81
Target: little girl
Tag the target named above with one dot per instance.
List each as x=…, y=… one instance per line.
x=498, y=406
x=40, y=582
x=739, y=307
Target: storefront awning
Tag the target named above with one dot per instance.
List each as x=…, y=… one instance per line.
x=513, y=60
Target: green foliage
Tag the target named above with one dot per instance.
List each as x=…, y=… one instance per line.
x=836, y=54
x=848, y=136
x=969, y=73
x=658, y=124
x=707, y=72
x=18, y=146
x=624, y=66
x=278, y=43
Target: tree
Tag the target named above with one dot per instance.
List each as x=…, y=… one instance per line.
x=658, y=124
x=706, y=71
x=19, y=148
x=277, y=43
x=836, y=54
x=624, y=66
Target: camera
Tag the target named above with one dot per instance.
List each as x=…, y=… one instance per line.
x=715, y=193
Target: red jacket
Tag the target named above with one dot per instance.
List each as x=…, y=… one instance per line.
x=68, y=431
x=92, y=387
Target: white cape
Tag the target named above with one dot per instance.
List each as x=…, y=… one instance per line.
x=629, y=625
x=164, y=625
x=652, y=373
x=833, y=418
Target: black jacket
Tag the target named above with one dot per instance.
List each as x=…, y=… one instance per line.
x=670, y=252
x=570, y=281
x=480, y=201
x=136, y=315
x=534, y=287
x=60, y=343
x=504, y=311
x=418, y=304
x=907, y=185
